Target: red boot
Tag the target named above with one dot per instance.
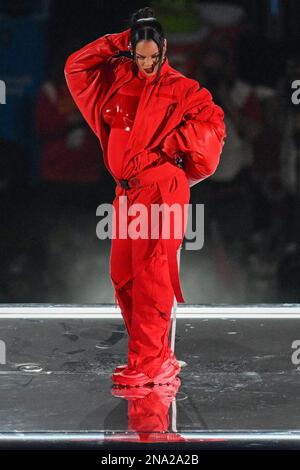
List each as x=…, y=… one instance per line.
x=123, y=366
x=120, y=368
x=164, y=393
x=131, y=377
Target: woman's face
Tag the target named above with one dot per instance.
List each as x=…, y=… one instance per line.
x=147, y=56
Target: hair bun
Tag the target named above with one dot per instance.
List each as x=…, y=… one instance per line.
x=143, y=14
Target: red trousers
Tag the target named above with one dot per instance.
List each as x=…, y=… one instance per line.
x=144, y=271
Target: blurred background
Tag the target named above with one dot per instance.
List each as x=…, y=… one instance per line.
x=52, y=176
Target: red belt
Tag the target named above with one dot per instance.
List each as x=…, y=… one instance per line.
x=145, y=178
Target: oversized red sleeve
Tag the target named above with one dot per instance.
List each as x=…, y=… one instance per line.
x=90, y=71
x=199, y=139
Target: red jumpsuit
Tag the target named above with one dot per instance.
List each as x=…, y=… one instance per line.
x=139, y=268
x=142, y=128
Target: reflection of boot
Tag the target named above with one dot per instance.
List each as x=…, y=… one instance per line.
x=172, y=359
x=131, y=377
x=149, y=415
x=148, y=407
x=161, y=437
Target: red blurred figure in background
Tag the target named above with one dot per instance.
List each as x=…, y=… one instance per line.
x=69, y=151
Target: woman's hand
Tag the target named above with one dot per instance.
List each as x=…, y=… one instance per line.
x=122, y=40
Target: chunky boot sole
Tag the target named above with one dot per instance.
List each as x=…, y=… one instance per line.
x=120, y=368
x=132, y=378
x=172, y=359
x=131, y=393
x=166, y=392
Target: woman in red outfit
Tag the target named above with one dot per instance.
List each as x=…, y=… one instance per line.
x=160, y=133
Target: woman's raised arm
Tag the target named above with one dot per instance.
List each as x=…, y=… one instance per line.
x=89, y=73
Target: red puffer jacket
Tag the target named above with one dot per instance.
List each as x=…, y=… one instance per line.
x=175, y=115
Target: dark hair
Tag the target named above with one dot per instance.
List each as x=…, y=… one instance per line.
x=147, y=30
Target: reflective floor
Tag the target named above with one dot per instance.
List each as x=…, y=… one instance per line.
x=240, y=383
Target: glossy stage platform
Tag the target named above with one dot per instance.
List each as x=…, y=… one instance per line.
x=239, y=389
